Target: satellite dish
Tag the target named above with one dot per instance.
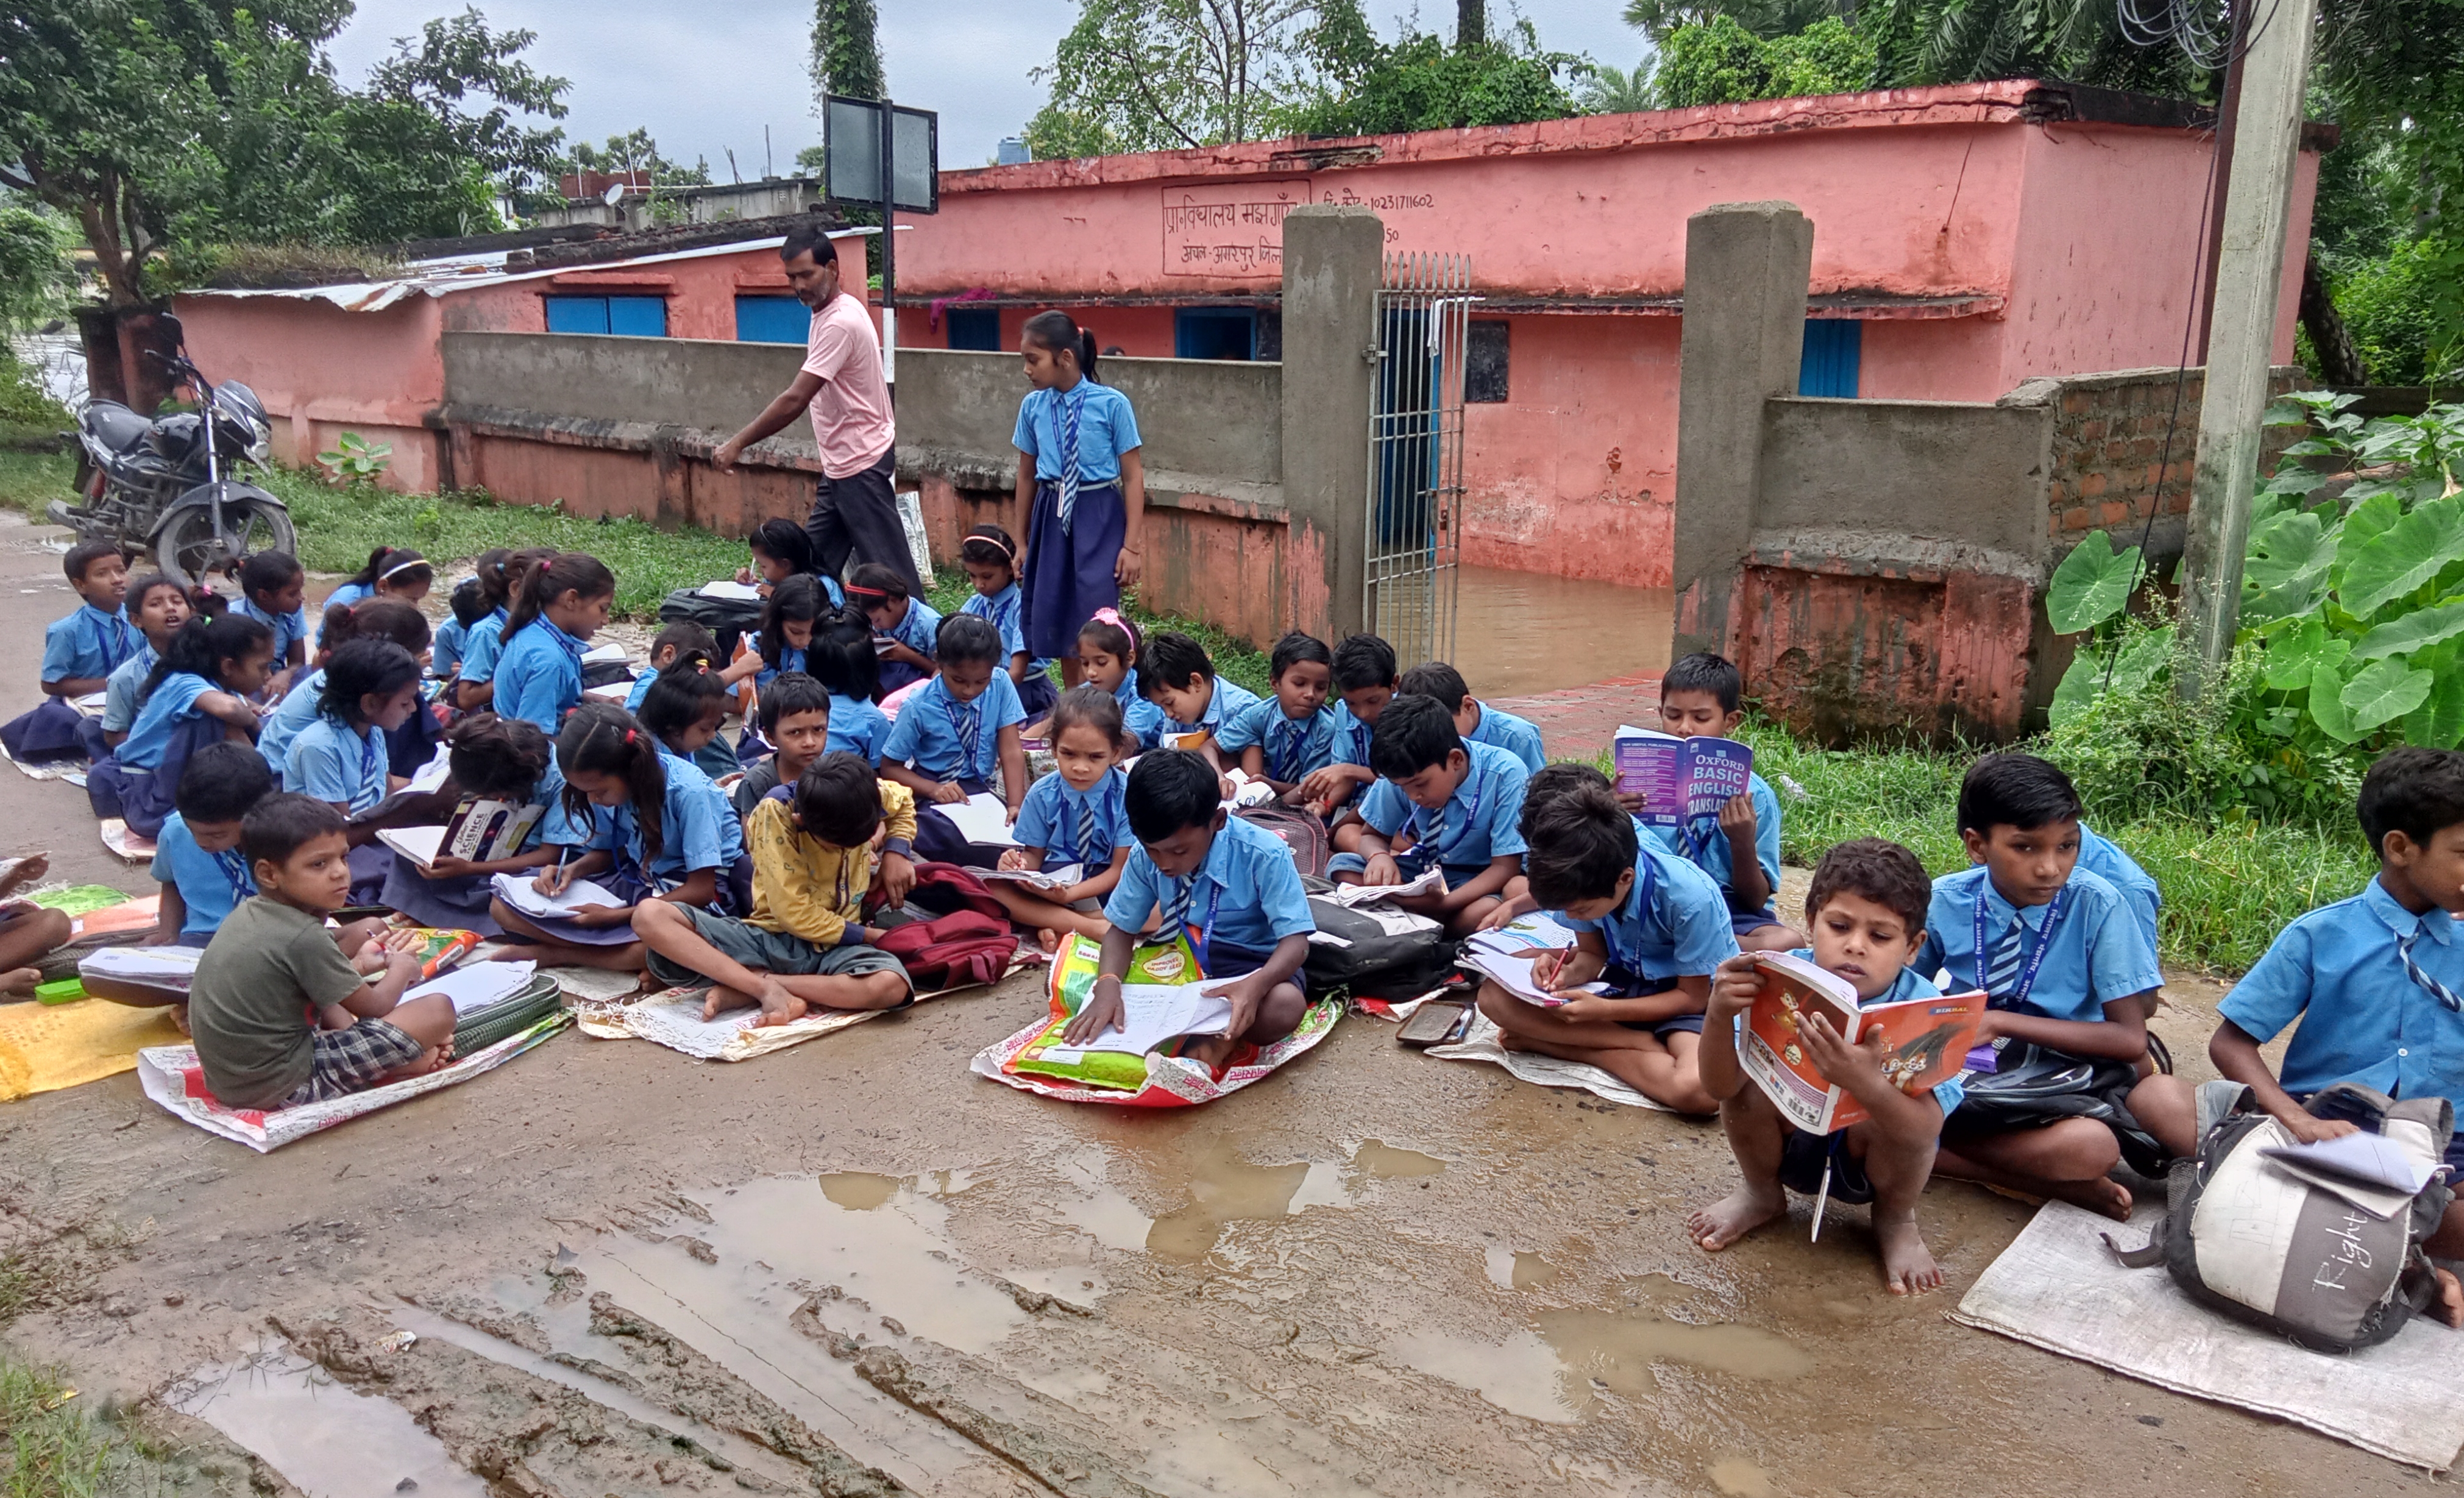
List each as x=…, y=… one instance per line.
x=614, y=194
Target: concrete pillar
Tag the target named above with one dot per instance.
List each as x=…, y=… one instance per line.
x=1747, y=268
x=1330, y=271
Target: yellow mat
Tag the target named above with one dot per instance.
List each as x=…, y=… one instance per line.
x=44, y=1047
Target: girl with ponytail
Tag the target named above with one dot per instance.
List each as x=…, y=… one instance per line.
x=656, y=829
x=196, y=694
x=501, y=575
x=562, y=602
x=1082, y=483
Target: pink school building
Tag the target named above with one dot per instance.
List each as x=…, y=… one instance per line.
x=1967, y=238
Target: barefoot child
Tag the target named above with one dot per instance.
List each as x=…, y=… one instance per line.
x=564, y=602
x=658, y=830
x=805, y=945
x=1177, y=675
x=1646, y=920
x=273, y=960
x=2067, y=971
x=904, y=628
x=2373, y=1003
x=990, y=559
x=1461, y=806
x=1073, y=816
x=158, y=606
x=80, y=652
x=1476, y=720
x=794, y=713
x=1229, y=883
x=1699, y=697
x=957, y=731
x=1285, y=737
x=27, y=930
x=197, y=857
x=1866, y=910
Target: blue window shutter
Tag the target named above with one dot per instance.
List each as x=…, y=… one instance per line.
x=771, y=319
x=976, y=328
x=576, y=314
x=1833, y=346
x=638, y=317
x=1213, y=333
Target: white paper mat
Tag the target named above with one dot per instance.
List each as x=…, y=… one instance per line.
x=1485, y=1041
x=2058, y=1287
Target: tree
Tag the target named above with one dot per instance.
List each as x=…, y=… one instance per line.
x=1660, y=19
x=1164, y=75
x=847, y=50
x=1605, y=90
x=35, y=276
x=636, y=150
x=1723, y=63
x=1369, y=87
x=2081, y=41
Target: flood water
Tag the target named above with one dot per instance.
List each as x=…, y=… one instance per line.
x=1521, y=632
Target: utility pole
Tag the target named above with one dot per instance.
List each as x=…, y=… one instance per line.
x=2250, y=273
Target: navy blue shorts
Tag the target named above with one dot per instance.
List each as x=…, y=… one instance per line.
x=1745, y=922
x=1800, y=1167
x=1623, y=985
x=1070, y=575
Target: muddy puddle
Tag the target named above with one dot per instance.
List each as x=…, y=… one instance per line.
x=1514, y=631
x=327, y=1440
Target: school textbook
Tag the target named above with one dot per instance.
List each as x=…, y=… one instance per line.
x=1046, y=880
x=1152, y=1013
x=479, y=830
x=1508, y=953
x=1680, y=779
x=1927, y=1040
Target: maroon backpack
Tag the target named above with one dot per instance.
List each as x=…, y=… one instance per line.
x=953, y=951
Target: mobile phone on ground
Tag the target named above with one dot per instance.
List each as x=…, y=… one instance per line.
x=1433, y=1024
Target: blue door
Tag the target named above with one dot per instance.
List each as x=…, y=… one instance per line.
x=1215, y=332
x=771, y=319
x=1832, y=349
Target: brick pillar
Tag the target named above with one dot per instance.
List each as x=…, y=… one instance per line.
x=1747, y=268
x=1332, y=263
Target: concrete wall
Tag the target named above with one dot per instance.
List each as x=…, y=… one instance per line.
x=1906, y=468
x=322, y=371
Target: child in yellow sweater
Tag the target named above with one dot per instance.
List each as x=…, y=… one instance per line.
x=805, y=945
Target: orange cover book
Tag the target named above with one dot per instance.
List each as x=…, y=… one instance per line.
x=1928, y=1040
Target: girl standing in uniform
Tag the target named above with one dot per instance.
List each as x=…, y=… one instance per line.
x=1080, y=475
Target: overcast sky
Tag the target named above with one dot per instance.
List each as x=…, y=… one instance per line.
x=706, y=78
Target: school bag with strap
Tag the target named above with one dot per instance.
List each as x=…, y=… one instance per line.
x=955, y=951
x=942, y=890
x=2031, y=1086
x=689, y=605
x=2249, y=1238
x=1375, y=951
x=1298, y=830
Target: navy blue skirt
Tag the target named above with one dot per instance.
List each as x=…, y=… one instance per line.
x=1068, y=577
x=144, y=799
x=52, y=731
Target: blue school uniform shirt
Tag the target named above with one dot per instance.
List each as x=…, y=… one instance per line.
x=918, y=632
x=1006, y=612
x=174, y=702
x=88, y=643
x=539, y=674
x=640, y=688
x=1228, y=699
x=1248, y=888
x=1050, y=818
x=295, y=712
x=2098, y=856
x=1672, y=924
x=481, y=646
x=333, y=761
x=123, y=691
x=288, y=629
x=1106, y=429
x=211, y=885
x=1710, y=852
x=2363, y=1018
x=349, y=594
x=1293, y=748
x=857, y=727
x=698, y=828
x=1481, y=821
x=790, y=659
x=1520, y=736
x=1352, y=735
x=2096, y=957
x=927, y=733
x=445, y=646
x=1143, y=719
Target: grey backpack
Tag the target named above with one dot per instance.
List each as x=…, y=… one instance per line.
x=2252, y=1240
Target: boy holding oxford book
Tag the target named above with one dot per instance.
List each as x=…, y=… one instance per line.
x=1836, y=1065
x=1698, y=792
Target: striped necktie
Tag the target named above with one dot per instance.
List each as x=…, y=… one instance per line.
x=1175, y=909
x=1088, y=852
x=1069, y=401
x=2429, y=984
x=1284, y=749
x=2002, y=972
x=1431, y=844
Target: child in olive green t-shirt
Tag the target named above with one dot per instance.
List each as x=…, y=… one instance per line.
x=284, y=1012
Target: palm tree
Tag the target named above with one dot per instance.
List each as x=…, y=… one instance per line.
x=1608, y=91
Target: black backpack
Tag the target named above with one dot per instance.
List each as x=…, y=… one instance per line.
x=1384, y=952
x=2031, y=1086
x=2265, y=1246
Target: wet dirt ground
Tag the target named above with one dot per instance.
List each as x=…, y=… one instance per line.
x=854, y=1267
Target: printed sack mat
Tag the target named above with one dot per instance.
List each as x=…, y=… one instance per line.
x=672, y=1018
x=133, y=848
x=1485, y=1041
x=171, y=1077
x=1154, y=1080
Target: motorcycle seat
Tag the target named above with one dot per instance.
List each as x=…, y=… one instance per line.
x=115, y=426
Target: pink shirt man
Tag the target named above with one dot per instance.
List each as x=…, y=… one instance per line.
x=851, y=420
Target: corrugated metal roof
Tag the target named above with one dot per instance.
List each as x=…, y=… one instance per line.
x=449, y=274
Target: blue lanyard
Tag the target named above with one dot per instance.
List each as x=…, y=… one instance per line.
x=1647, y=888
x=1283, y=759
x=1434, y=856
x=2019, y=991
x=235, y=872
x=118, y=648
x=1206, y=933
x=572, y=647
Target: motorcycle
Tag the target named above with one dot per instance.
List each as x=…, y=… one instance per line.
x=160, y=484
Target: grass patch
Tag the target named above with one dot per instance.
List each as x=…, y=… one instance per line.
x=31, y=480
x=2229, y=886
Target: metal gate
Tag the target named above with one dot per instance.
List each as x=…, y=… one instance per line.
x=1415, y=434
